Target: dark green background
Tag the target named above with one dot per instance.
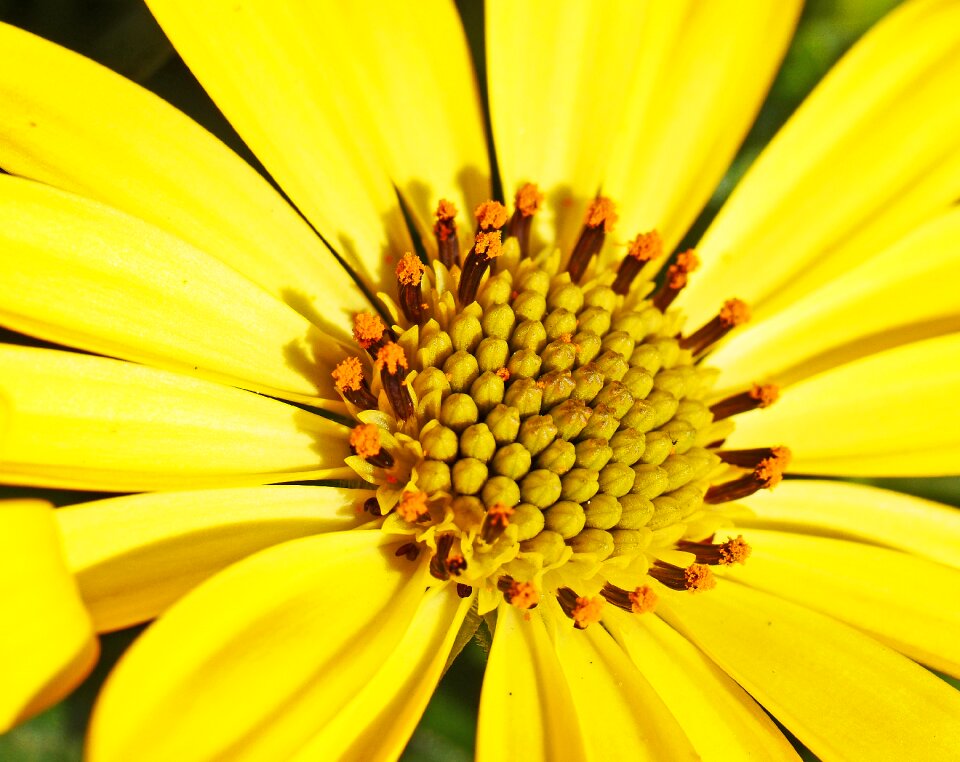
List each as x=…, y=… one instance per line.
x=122, y=35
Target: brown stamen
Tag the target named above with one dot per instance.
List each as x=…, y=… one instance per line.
x=369, y=331
x=490, y=216
x=372, y=506
x=759, y=396
x=582, y=610
x=638, y=601
x=409, y=550
x=678, y=275
x=523, y=595
x=495, y=522
x=349, y=381
x=413, y=506
x=733, y=313
x=390, y=359
x=443, y=564
x=599, y=220
x=644, y=248
x=734, y=551
x=464, y=591
x=527, y=203
x=409, y=274
x=770, y=464
x=445, y=230
x=695, y=578
x=365, y=443
x=486, y=248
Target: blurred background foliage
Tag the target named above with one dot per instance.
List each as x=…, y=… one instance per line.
x=122, y=35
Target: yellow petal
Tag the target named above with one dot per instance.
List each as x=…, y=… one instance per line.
x=85, y=422
x=133, y=556
x=869, y=156
x=112, y=284
x=610, y=694
x=893, y=414
x=702, y=73
x=258, y=658
x=46, y=641
x=526, y=709
x=856, y=512
x=908, y=289
x=377, y=722
x=78, y=126
x=840, y=692
x=903, y=601
x=718, y=716
x=555, y=74
x=269, y=71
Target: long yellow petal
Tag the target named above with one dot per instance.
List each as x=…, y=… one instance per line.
x=609, y=692
x=893, y=414
x=251, y=663
x=46, y=641
x=377, y=722
x=555, y=74
x=77, y=272
x=869, y=156
x=909, y=289
x=526, y=708
x=840, y=692
x=906, y=602
x=702, y=73
x=134, y=556
x=84, y=422
x=78, y=126
x=267, y=69
x=718, y=716
x=856, y=512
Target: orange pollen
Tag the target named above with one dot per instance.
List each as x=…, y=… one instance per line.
x=566, y=338
x=491, y=215
x=735, y=551
x=365, y=440
x=601, y=211
x=587, y=611
x=503, y=373
x=392, y=356
x=698, y=577
x=643, y=599
x=498, y=515
x=489, y=244
x=348, y=375
x=676, y=277
x=528, y=199
x=770, y=470
x=523, y=595
x=368, y=329
x=765, y=394
x=734, y=312
x=446, y=210
x=410, y=270
x=646, y=246
x=688, y=260
x=412, y=506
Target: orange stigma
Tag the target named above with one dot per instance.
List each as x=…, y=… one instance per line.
x=392, y=357
x=368, y=329
x=770, y=470
x=529, y=199
x=698, y=578
x=489, y=244
x=646, y=246
x=523, y=595
x=491, y=215
x=446, y=211
x=365, y=440
x=765, y=394
x=643, y=600
x=412, y=506
x=410, y=270
x=601, y=211
x=734, y=312
x=348, y=375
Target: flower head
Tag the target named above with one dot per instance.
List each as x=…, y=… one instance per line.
x=563, y=423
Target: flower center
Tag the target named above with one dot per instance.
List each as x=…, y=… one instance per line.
x=547, y=429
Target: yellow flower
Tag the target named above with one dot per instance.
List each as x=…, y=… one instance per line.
x=549, y=443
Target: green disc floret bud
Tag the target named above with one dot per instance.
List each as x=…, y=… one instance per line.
x=433, y=476
x=672, y=380
x=462, y=370
x=559, y=457
x=525, y=396
x=430, y=380
x=595, y=320
x=681, y=433
x=468, y=511
x=548, y=544
x=537, y=432
x=602, y=511
x=650, y=480
x=529, y=334
x=434, y=349
x=664, y=406
x=492, y=354
x=534, y=280
x=636, y=512
x=541, y=488
x=504, y=423
x=593, y=454
x=588, y=381
x=557, y=387
x=587, y=345
x=669, y=351
x=646, y=357
x=560, y=322
x=498, y=321
x=616, y=479
x=565, y=518
x=616, y=397
x=469, y=476
x=639, y=382
x=596, y=542
x=618, y=341
x=512, y=461
x=496, y=291
x=640, y=417
x=666, y=511
x=628, y=445
x=559, y=355
x=465, y=332
x=601, y=296
x=628, y=542
x=570, y=417
x=477, y=442
x=528, y=520
x=602, y=423
x=579, y=485
x=524, y=364
x=529, y=305
x=458, y=411
x=487, y=391
x=565, y=296
x=659, y=446
x=500, y=489
x=612, y=365
x=439, y=442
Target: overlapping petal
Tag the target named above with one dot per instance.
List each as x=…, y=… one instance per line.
x=135, y=555
x=857, y=512
x=77, y=421
x=896, y=597
x=254, y=662
x=840, y=692
x=870, y=155
x=893, y=414
x=113, y=284
x=78, y=126
x=47, y=644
